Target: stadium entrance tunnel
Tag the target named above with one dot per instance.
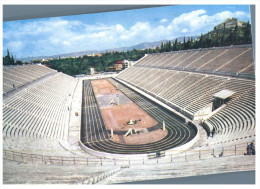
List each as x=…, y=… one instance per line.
x=95, y=139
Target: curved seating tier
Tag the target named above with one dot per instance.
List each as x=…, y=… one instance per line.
x=17, y=76
x=233, y=60
x=41, y=110
x=236, y=121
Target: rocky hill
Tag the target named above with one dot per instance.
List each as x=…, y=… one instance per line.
x=230, y=23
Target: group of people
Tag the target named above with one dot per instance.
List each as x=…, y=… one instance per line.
x=250, y=150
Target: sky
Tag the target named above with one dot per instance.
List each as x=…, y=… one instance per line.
x=100, y=31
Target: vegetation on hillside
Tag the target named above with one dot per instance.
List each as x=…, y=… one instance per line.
x=223, y=36
x=82, y=65
x=9, y=59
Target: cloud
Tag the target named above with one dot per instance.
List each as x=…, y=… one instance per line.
x=58, y=36
x=187, y=17
x=196, y=22
x=164, y=20
x=184, y=30
x=120, y=28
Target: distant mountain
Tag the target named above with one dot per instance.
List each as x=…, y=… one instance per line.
x=147, y=45
x=144, y=45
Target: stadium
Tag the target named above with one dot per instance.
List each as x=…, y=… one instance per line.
x=170, y=115
x=66, y=122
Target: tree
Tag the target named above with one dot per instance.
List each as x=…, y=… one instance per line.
x=247, y=34
x=8, y=53
x=12, y=60
x=7, y=60
x=201, y=41
x=184, y=43
x=235, y=34
x=175, y=48
x=188, y=44
x=162, y=47
x=209, y=40
x=168, y=46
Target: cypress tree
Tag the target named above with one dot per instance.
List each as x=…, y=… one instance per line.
x=184, y=44
x=200, y=40
x=235, y=34
x=162, y=47
x=12, y=60
x=7, y=58
x=175, y=45
x=247, y=33
x=169, y=46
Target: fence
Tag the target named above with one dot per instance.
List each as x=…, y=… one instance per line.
x=154, y=158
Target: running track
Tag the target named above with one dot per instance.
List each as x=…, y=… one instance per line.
x=95, y=136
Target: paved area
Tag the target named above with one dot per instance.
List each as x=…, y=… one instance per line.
x=183, y=169
x=19, y=173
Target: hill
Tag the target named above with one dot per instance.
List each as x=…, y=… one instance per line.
x=230, y=32
x=230, y=23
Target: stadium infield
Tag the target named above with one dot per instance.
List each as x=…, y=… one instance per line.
x=117, y=109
